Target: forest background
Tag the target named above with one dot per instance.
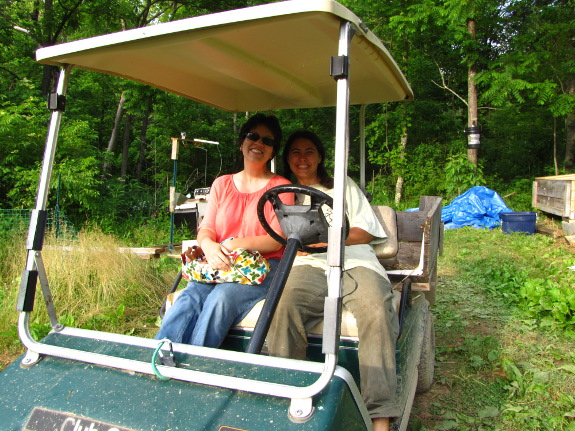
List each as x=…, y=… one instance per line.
x=509, y=64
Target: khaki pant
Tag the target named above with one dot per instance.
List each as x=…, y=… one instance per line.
x=367, y=295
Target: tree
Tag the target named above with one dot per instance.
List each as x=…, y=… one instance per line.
x=536, y=64
x=521, y=52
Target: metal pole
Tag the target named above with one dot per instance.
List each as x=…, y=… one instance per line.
x=46, y=173
x=173, y=190
x=335, y=253
x=51, y=141
x=37, y=231
x=362, y=147
x=273, y=297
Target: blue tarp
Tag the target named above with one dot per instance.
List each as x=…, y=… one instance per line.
x=478, y=207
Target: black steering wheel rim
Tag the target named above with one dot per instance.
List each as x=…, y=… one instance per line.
x=318, y=199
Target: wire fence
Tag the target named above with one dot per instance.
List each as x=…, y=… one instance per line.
x=18, y=220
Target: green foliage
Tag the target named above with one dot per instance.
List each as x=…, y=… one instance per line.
x=461, y=175
x=380, y=187
x=541, y=285
x=499, y=365
x=522, y=49
x=517, y=194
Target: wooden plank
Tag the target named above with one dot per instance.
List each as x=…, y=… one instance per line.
x=410, y=225
x=552, y=206
x=548, y=231
x=555, y=196
x=555, y=189
x=153, y=251
x=407, y=257
x=558, y=177
x=417, y=227
x=432, y=233
x=569, y=207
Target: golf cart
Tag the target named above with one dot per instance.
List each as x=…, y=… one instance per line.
x=77, y=379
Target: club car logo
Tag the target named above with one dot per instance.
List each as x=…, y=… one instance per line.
x=50, y=420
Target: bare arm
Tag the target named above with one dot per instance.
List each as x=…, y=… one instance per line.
x=217, y=254
x=358, y=236
x=262, y=243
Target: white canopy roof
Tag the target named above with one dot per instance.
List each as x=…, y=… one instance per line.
x=274, y=56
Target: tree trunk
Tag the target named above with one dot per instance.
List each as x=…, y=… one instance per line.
x=398, y=190
x=400, y=180
x=555, y=163
x=114, y=135
x=126, y=145
x=143, y=140
x=404, y=132
x=472, y=116
x=569, y=162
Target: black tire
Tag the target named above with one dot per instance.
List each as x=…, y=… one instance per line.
x=426, y=367
x=404, y=302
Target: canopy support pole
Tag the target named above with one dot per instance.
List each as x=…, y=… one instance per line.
x=335, y=253
x=362, y=147
x=36, y=232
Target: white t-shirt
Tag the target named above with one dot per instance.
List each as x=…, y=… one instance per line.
x=360, y=214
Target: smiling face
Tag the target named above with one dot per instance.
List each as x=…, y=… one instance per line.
x=303, y=160
x=257, y=151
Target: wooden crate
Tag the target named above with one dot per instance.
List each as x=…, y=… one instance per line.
x=555, y=195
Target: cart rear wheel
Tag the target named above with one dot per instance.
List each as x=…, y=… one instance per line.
x=426, y=367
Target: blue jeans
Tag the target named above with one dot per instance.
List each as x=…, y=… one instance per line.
x=204, y=313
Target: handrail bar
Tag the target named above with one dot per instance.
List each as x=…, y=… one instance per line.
x=248, y=385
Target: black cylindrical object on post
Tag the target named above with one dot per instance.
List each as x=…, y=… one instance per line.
x=473, y=136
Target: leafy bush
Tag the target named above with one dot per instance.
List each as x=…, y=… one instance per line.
x=461, y=175
x=541, y=284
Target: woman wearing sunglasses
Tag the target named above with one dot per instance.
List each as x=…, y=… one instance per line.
x=203, y=313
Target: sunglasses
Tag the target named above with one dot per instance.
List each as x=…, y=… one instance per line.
x=255, y=136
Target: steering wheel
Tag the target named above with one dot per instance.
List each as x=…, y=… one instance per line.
x=306, y=223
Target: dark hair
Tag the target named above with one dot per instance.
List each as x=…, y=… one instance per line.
x=271, y=122
x=324, y=178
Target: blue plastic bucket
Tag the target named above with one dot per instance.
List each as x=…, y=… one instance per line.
x=518, y=222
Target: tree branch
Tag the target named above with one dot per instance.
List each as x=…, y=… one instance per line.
x=445, y=87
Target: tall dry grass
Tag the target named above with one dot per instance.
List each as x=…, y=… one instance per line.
x=12, y=260
x=93, y=283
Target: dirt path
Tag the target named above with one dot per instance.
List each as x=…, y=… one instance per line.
x=467, y=389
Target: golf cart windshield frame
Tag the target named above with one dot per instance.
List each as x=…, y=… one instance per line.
x=301, y=397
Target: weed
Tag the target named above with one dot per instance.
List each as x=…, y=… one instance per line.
x=94, y=286
x=504, y=334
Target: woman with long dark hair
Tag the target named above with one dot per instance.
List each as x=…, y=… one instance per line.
x=366, y=288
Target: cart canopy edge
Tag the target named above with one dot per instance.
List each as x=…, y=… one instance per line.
x=251, y=59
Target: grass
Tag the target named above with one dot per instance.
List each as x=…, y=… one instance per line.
x=505, y=343
x=503, y=362
x=94, y=286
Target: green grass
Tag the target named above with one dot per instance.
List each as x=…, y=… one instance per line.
x=505, y=343
x=505, y=355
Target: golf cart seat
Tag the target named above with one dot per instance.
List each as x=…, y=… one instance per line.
x=384, y=250
x=388, y=219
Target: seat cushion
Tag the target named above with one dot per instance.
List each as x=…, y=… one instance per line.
x=388, y=219
x=348, y=322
